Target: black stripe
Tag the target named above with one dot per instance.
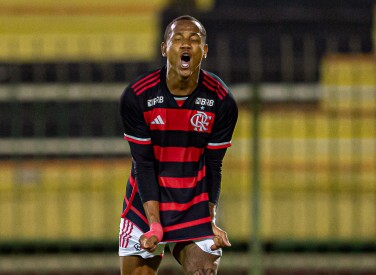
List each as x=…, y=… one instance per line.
x=138, y=221
x=179, y=138
x=182, y=195
x=193, y=232
x=197, y=211
x=179, y=169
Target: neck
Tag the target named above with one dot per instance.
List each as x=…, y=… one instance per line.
x=180, y=86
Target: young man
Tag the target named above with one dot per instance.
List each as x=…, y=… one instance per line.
x=178, y=121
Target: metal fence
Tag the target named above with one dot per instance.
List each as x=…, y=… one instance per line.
x=300, y=175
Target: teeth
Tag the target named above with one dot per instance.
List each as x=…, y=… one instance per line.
x=185, y=58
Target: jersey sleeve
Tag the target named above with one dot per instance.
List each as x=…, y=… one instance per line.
x=219, y=140
x=213, y=162
x=135, y=127
x=224, y=125
x=137, y=133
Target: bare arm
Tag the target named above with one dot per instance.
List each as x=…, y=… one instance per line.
x=150, y=239
x=152, y=211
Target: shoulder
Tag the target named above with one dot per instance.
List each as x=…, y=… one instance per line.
x=144, y=82
x=212, y=82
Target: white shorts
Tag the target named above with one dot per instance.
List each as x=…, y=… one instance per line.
x=129, y=244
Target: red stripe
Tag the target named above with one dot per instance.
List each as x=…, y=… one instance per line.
x=124, y=233
x=133, y=182
x=186, y=224
x=148, y=87
x=173, y=206
x=121, y=234
x=129, y=235
x=152, y=82
x=138, y=213
x=179, y=119
x=138, y=141
x=129, y=203
x=177, y=154
x=121, y=237
x=142, y=80
x=212, y=89
x=215, y=83
x=212, y=80
x=148, y=81
x=188, y=182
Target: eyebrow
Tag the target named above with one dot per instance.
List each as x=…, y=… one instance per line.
x=192, y=33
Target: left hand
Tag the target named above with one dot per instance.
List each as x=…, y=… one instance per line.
x=220, y=238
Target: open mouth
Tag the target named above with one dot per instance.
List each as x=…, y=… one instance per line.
x=185, y=59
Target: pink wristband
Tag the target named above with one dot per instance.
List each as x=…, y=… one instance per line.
x=156, y=230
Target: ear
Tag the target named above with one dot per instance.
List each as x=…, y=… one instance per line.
x=206, y=49
x=163, y=49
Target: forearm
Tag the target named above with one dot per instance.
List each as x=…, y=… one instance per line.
x=151, y=238
x=213, y=211
x=152, y=211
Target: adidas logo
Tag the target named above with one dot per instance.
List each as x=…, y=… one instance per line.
x=158, y=120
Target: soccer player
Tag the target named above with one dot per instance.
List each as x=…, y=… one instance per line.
x=178, y=120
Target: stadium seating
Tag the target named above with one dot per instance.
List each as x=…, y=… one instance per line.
x=50, y=31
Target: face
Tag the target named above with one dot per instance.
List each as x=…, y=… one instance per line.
x=184, y=48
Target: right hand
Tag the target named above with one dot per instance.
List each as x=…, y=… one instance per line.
x=149, y=240
x=149, y=244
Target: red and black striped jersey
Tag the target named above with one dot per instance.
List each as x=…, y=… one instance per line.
x=171, y=144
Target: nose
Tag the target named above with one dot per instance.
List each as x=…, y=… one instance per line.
x=186, y=43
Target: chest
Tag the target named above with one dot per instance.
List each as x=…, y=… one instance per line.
x=196, y=114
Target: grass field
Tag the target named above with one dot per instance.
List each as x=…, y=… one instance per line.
x=317, y=176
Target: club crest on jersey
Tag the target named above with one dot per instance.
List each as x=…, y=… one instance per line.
x=200, y=121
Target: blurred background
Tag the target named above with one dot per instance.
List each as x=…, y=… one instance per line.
x=299, y=182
